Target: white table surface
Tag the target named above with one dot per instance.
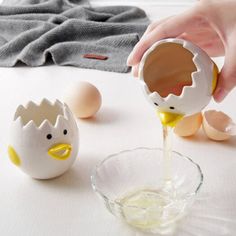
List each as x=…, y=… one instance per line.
x=67, y=205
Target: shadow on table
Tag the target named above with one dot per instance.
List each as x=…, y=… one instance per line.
x=207, y=218
x=200, y=137
x=104, y=116
x=231, y=142
x=48, y=62
x=77, y=178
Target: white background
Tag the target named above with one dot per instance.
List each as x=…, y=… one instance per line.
x=67, y=205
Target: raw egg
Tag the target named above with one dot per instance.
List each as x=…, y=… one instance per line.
x=188, y=125
x=218, y=126
x=83, y=98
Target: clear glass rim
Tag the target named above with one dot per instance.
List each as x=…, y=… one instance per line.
x=100, y=192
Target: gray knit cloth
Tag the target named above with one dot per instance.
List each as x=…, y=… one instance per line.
x=65, y=31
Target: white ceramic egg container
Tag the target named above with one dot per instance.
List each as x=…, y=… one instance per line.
x=170, y=57
x=44, y=139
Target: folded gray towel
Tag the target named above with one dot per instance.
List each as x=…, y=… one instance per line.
x=70, y=32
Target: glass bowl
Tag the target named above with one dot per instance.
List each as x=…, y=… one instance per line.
x=134, y=188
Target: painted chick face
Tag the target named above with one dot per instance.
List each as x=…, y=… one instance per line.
x=178, y=77
x=44, y=139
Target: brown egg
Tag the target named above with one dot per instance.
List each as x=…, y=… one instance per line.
x=189, y=125
x=83, y=99
x=218, y=126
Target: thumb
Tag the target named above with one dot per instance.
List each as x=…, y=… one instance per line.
x=227, y=76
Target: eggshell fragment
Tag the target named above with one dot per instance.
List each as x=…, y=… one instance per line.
x=83, y=98
x=189, y=125
x=218, y=126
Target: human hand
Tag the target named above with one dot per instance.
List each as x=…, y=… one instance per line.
x=210, y=24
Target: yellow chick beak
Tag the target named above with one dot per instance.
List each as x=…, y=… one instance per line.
x=60, y=151
x=169, y=119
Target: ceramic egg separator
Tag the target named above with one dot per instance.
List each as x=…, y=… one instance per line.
x=44, y=139
x=178, y=78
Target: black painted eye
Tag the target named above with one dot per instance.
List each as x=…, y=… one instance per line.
x=49, y=136
x=64, y=131
x=156, y=104
x=172, y=108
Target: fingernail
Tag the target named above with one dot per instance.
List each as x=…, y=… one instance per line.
x=129, y=59
x=134, y=71
x=220, y=94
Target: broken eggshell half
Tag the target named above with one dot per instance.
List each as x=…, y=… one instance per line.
x=177, y=77
x=218, y=126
